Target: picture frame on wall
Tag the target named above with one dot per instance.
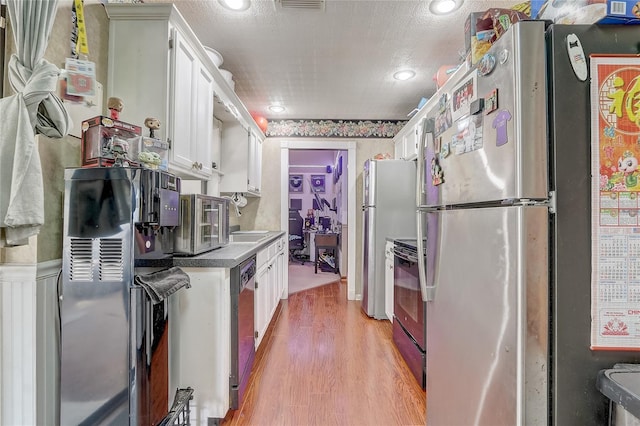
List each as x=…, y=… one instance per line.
x=318, y=183
x=296, y=183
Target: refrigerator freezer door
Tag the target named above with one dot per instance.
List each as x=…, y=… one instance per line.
x=487, y=325
x=507, y=157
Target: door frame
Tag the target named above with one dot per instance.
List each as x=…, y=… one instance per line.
x=333, y=145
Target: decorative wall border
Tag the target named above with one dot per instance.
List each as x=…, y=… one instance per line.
x=335, y=128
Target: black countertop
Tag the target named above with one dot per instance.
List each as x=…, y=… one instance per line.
x=228, y=256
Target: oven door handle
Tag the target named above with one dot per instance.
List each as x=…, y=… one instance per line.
x=404, y=256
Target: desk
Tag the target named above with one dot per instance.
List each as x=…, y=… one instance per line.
x=326, y=242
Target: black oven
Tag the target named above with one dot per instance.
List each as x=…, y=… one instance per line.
x=409, y=310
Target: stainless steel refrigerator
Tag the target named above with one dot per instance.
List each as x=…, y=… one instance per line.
x=505, y=210
x=388, y=211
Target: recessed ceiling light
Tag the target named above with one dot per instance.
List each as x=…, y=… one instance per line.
x=237, y=5
x=404, y=75
x=442, y=7
x=276, y=108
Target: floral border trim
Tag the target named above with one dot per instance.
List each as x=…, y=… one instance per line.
x=335, y=128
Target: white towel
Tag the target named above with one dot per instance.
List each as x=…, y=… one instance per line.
x=33, y=108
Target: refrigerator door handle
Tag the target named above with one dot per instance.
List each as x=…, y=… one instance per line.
x=428, y=292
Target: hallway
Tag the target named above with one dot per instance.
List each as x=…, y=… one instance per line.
x=326, y=363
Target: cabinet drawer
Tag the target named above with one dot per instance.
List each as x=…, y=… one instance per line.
x=262, y=257
x=273, y=250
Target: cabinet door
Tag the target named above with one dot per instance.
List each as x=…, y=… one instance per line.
x=254, y=163
x=260, y=307
x=273, y=288
x=281, y=264
x=203, y=124
x=185, y=67
x=411, y=142
x=398, y=149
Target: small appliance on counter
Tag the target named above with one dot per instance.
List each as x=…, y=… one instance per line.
x=204, y=224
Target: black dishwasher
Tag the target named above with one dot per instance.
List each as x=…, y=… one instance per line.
x=242, y=328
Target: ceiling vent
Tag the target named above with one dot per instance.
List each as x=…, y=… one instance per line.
x=299, y=4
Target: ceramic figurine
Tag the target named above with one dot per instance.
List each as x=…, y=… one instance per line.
x=152, y=124
x=115, y=106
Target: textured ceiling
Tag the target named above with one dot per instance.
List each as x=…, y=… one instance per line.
x=332, y=64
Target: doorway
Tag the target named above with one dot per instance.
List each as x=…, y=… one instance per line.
x=317, y=213
x=348, y=151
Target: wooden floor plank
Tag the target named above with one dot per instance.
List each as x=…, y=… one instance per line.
x=324, y=362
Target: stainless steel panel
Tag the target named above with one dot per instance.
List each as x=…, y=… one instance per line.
x=518, y=168
x=487, y=325
x=94, y=368
x=94, y=308
x=389, y=211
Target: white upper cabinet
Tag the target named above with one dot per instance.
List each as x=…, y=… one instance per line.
x=159, y=68
x=407, y=140
x=191, y=111
x=241, y=156
x=254, y=177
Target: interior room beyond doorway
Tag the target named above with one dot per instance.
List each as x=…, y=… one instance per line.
x=317, y=216
x=315, y=201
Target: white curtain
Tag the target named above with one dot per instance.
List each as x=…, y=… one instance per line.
x=34, y=109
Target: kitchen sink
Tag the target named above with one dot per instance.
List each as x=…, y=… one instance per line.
x=248, y=236
x=249, y=232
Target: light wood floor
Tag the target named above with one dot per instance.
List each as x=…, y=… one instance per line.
x=324, y=362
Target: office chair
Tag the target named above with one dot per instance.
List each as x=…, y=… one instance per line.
x=296, y=237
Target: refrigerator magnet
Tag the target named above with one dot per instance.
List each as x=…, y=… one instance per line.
x=503, y=57
x=487, y=64
x=491, y=102
x=437, y=176
x=445, y=151
x=500, y=124
x=576, y=57
x=476, y=106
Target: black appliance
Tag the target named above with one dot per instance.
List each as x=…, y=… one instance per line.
x=243, y=351
x=409, y=310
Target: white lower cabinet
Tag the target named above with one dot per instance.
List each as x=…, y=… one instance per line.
x=200, y=342
x=388, y=280
x=269, y=286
